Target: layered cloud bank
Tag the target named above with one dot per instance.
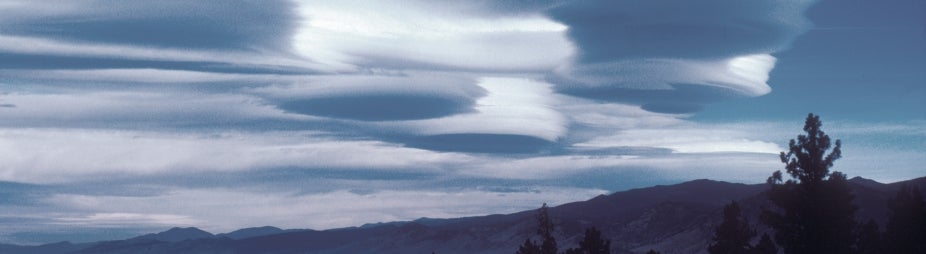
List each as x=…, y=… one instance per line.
x=673, y=56
x=120, y=117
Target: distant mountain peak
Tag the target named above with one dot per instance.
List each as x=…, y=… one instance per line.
x=252, y=232
x=707, y=181
x=863, y=180
x=868, y=183
x=178, y=234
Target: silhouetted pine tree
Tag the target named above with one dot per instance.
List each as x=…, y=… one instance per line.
x=591, y=243
x=545, y=230
x=529, y=247
x=651, y=251
x=869, y=239
x=814, y=211
x=906, y=228
x=765, y=246
x=572, y=251
x=733, y=234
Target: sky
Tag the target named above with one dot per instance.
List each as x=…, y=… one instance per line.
x=119, y=118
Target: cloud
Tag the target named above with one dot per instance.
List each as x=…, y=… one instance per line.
x=422, y=35
x=607, y=30
x=27, y=52
x=139, y=75
x=590, y=119
x=674, y=56
x=686, y=139
x=62, y=155
x=745, y=75
x=619, y=169
x=65, y=109
x=126, y=219
x=238, y=25
x=433, y=111
x=377, y=98
x=239, y=36
x=516, y=115
x=481, y=143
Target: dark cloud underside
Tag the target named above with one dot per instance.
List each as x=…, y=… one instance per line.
x=605, y=30
x=379, y=107
x=681, y=99
x=480, y=143
x=237, y=24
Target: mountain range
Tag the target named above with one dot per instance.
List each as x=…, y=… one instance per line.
x=676, y=218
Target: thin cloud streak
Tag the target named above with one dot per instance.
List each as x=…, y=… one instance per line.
x=62, y=155
x=103, y=51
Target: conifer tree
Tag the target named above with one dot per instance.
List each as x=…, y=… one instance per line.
x=545, y=230
x=765, y=246
x=906, y=227
x=814, y=211
x=733, y=234
x=591, y=243
x=529, y=247
x=869, y=239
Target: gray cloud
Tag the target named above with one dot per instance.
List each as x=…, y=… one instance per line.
x=377, y=98
x=481, y=143
x=606, y=30
x=237, y=24
x=674, y=56
x=240, y=36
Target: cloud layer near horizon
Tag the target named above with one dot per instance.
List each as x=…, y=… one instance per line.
x=382, y=111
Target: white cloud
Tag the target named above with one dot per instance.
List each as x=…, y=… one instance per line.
x=79, y=108
x=909, y=128
x=746, y=74
x=125, y=220
x=18, y=10
x=686, y=140
x=735, y=167
x=52, y=47
x=515, y=106
x=541, y=168
x=349, y=33
x=145, y=76
x=68, y=155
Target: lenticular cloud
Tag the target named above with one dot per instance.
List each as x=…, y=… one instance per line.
x=674, y=56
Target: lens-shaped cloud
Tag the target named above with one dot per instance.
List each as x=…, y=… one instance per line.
x=413, y=34
x=377, y=98
x=606, y=30
x=668, y=85
x=516, y=115
x=236, y=24
x=674, y=56
x=238, y=36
